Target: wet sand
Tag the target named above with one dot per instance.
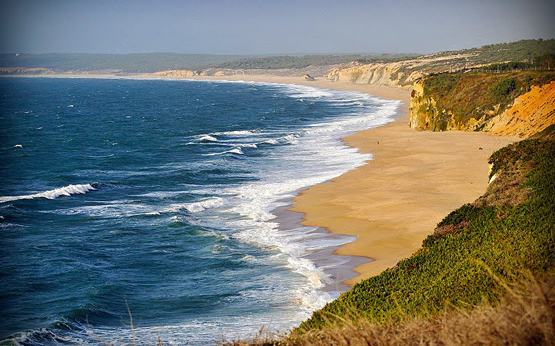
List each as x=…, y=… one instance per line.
x=392, y=203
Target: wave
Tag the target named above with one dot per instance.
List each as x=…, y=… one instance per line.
x=236, y=151
x=235, y=133
x=78, y=189
x=300, y=91
x=197, y=207
x=248, y=145
x=207, y=138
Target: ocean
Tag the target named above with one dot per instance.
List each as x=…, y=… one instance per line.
x=158, y=198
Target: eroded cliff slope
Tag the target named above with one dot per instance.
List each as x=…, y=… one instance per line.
x=516, y=103
x=397, y=74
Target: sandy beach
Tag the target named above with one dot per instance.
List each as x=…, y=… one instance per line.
x=394, y=202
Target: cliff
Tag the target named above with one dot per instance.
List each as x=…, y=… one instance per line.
x=191, y=73
x=313, y=71
x=400, y=73
x=513, y=104
x=530, y=113
x=25, y=71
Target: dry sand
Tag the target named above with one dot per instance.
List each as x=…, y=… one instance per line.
x=394, y=201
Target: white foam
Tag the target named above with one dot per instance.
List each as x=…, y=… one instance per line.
x=301, y=91
x=197, y=207
x=237, y=151
x=313, y=155
x=235, y=133
x=69, y=190
x=248, y=145
x=207, y=138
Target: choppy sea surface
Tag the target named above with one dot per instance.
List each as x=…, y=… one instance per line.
x=157, y=196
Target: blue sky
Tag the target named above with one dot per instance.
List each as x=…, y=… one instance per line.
x=267, y=27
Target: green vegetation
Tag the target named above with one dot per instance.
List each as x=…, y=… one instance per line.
x=523, y=317
x=521, y=51
x=466, y=96
x=537, y=63
x=503, y=88
x=532, y=54
x=127, y=63
x=303, y=61
x=473, y=250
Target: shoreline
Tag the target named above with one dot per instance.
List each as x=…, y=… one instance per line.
x=392, y=202
x=395, y=200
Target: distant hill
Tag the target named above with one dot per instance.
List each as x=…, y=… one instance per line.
x=397, y=69
x=154, y=62
x=302, y=61
x=127, y=63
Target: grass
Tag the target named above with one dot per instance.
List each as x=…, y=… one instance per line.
x=525, y=316
x=445, y=274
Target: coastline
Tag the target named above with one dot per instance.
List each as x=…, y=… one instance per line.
x=395, y=200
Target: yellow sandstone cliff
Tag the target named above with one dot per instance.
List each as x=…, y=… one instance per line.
x=529, y=114
x=191, y=73
x=400, y=73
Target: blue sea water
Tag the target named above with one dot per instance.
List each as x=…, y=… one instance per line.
x=158, y=195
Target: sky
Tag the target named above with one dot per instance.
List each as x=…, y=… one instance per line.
x=268, y=27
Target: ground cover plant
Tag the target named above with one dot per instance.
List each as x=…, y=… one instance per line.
x=454, y=267
x=486, y=275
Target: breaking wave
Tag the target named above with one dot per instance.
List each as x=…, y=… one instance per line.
x=69, y=190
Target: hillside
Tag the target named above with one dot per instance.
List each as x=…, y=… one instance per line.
x=303, y=61
x=518, y=103
x=123, y=63
x=382, y=69
x=403, y=73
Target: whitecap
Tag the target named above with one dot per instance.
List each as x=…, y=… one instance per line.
x=207, y=138
x=237, y=151
x=248, y=145
x=271, y=141
x=52, y=194
x=196, y=207
x=235, y=133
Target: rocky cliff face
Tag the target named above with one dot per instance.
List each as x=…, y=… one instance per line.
x=526, y=115
x=191, y=73
x=398, y=74
x=530, y=113
x=25, y=71
x=311, y=71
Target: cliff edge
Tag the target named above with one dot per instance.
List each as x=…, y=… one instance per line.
x=520, y=103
